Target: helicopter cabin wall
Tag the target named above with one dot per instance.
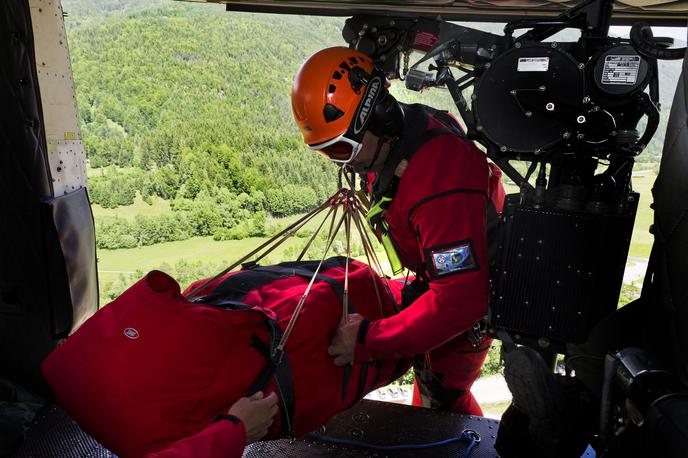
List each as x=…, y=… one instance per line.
x=66, y=155
x=48, y=277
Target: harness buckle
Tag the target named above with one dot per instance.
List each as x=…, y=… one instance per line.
x=475, y=335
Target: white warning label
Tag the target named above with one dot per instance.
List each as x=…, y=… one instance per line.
x=533, y=64
x=620, y=70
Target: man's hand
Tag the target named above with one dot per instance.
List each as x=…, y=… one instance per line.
x=343, y=345
x=257, y=413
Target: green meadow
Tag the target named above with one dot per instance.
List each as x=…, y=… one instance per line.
x=111, y=263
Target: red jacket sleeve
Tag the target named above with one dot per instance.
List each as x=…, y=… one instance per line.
x=222, y=439
x=457, y=299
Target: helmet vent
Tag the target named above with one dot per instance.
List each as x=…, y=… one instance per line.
x=344, y=66
x=337, y=76
x=332, y=88
x=353, y=60
x=332, y=113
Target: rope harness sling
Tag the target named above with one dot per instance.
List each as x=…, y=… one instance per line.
x=349, y=209
x=345, y=208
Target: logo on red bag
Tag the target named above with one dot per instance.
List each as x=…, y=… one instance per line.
x=131, y=333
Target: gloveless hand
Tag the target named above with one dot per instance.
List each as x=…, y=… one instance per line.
x=343, y=345
x=257, y=413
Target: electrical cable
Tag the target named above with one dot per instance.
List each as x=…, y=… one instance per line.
x=467, y=435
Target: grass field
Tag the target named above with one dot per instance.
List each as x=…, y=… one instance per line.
x=158, y=207
x=112, y=263
x=641, y=242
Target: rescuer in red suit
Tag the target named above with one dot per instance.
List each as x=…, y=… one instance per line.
x=247, y=421
x=433, y=197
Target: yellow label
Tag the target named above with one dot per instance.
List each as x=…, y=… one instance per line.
x=70, y=135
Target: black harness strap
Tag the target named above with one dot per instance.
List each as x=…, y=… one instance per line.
x=362, y=380
x=232, y=291
x=277, y=366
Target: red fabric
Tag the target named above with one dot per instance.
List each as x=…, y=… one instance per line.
x=187, y=363
x=222, y=439
x=495, y=189
x=441, y=199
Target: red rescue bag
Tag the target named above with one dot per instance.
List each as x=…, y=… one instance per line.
x=152, y=367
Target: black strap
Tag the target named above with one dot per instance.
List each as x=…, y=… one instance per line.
x=286, y=272
x=414, y=135
x=362, y=379
x=232, y=291
x=276, y=366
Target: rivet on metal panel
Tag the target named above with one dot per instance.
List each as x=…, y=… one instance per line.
x=356, y=433
x=361, y=417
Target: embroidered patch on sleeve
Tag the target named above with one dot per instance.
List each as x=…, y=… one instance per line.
x=447, y=259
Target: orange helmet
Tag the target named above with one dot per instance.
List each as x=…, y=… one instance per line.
x=335, y=93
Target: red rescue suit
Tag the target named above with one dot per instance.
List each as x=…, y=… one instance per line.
x=439, y=212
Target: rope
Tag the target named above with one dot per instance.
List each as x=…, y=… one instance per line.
x=288, y=230
x=352, y=211
x=299, y=306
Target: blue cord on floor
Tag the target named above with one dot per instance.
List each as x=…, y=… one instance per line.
x=465, y=437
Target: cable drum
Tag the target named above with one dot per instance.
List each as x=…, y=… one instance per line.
x=529, y=99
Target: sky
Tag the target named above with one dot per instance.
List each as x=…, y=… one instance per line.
x=677, y=33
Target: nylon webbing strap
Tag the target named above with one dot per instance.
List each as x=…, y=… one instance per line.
x=232, y=291
x=285, y=272
x=277, y=366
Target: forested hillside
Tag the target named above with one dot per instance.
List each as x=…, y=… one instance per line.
x=190, y=104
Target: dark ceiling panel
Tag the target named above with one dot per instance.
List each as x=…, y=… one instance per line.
x=658, y=12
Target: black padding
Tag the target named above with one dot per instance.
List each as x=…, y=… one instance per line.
x=71, y=250
x=232, y=291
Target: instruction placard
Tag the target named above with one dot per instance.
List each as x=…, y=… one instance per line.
x=621, y=70
x=533, y=64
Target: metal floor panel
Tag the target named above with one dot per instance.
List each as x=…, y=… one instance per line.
x=54, y=435
x=383, y=423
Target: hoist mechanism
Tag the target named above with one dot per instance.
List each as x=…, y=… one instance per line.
x=568, y=107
